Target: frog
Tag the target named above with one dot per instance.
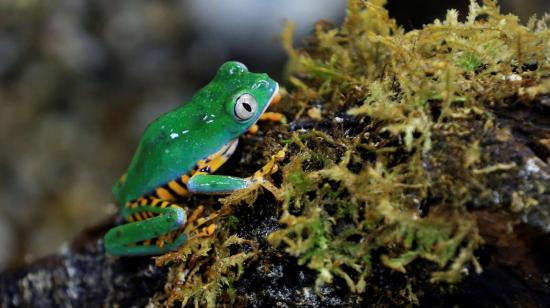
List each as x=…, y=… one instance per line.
x=177, y=155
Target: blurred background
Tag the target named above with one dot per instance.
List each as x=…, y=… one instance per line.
x=79, y=81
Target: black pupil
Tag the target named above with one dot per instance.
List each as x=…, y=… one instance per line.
x=247, y=107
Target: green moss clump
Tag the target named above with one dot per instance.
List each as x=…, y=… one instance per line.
x=416, y=105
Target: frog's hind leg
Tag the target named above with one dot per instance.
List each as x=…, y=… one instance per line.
x=149, y=219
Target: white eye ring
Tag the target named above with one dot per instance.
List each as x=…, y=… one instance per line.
x=245, y=107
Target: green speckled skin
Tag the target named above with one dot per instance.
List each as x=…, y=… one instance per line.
x=173, y=144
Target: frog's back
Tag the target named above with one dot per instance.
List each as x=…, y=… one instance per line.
x=169, y=148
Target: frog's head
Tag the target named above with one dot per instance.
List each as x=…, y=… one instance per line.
x=246, y=95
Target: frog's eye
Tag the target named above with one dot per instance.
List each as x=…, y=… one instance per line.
x=245, y=107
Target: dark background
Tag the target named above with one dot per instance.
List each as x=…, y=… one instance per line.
x=79, y=80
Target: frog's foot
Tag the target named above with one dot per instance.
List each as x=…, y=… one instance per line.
x=260, y=178
x=196, y=221
x=270, y=167
x=253, y=129
x=195, y=215
x=272, y=116
x=206, y=231
x=221, y=184
x=267, y=116
x=193, y=233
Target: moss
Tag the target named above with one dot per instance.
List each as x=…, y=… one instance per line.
x=421, y=101
x=395, y=155
x=204, y=268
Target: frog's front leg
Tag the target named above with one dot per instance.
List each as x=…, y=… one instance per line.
x=216, y=184
x=203, y=182
x=130, y=239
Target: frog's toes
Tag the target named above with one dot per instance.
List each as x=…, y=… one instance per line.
x=267, y=116
x=253, y=129
x=205, y=231
x=273, y=117
x=210, y=229
x=195, y=215
x=271, y=166
x=195, y=221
